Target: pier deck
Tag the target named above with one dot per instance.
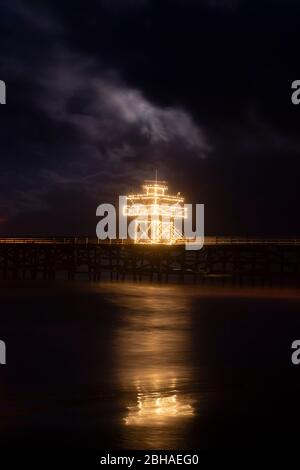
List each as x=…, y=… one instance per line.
x=222, y=259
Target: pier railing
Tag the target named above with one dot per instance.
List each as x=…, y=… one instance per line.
x=210, y=240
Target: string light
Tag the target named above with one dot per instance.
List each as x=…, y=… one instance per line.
x=158, y=216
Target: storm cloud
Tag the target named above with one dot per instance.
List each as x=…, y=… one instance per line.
x=102, y=94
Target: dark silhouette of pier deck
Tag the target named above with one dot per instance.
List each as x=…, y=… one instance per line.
x=221, y=260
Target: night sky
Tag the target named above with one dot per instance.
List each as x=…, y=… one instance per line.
x=102, y=92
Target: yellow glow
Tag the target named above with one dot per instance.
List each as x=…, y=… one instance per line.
x=154, y=365
x=156, y=213
x=158, y=408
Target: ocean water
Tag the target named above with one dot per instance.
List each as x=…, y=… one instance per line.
x=144, y=366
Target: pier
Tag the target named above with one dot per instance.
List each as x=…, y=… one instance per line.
x=221, y=260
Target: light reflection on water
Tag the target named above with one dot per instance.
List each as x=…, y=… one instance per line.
x=157, y=407
x=154, y=370
x=148, y=367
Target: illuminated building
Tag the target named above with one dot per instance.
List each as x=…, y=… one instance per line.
x=158, y=216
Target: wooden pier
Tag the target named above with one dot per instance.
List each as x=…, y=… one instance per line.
x=221, y=260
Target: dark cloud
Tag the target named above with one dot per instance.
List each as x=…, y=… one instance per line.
x=101, y=128
x=101, y=94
